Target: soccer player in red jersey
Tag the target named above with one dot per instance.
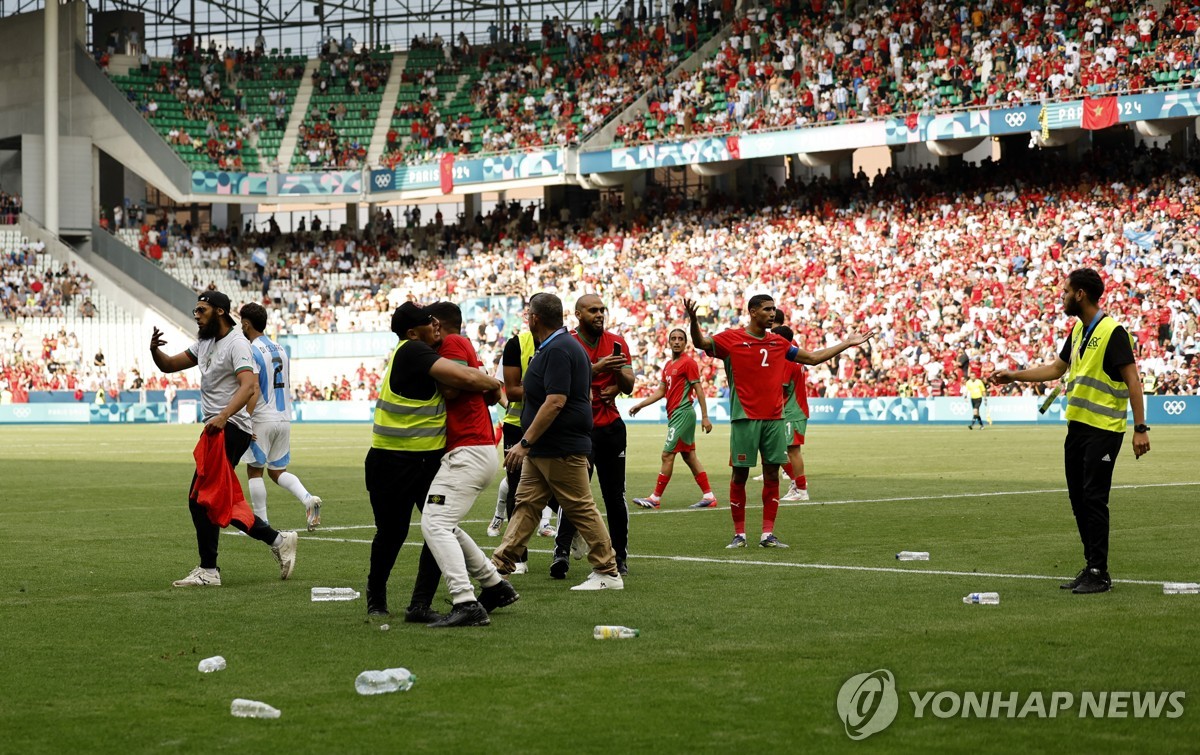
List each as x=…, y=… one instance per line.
x=680, y=381
x=612, y=374
x=795, y=418
x=755, y=360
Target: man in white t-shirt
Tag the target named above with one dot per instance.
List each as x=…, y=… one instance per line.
x=227, y=384
x=271, y=446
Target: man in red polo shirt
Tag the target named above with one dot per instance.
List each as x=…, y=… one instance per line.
x=612, y=374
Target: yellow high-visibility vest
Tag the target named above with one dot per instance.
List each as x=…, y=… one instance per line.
x=407, y=424
x=1093, y=398
x=513, y=415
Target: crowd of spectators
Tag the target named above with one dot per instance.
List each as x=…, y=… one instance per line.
x=26, y=290
x=960, y=271
x=350, y=73
x=528, y=97
x=10, y=208
x=789, y=64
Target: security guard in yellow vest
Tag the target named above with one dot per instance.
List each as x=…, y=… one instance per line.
x=407, y=441
x=1102, y=385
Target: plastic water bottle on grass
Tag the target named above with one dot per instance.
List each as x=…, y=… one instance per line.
x=325, y=594
x=252, y=709
x=382, y=682
x=912, y=556
x=209, y=665
x=1181, y=588
x=983, y=599
x=615, y=633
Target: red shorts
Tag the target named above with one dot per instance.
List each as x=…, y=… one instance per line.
x=681, y=447
x=797, y=440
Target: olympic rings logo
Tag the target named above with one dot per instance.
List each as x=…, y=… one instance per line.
x=383, y=180
x=1174, y=408
x=1015, y=120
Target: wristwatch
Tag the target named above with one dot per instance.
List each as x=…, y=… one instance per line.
x=525, y=443
x=1141, y=428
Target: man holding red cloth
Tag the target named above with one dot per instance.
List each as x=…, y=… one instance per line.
x=227, y=385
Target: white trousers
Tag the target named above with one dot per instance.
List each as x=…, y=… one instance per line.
x=464, y=473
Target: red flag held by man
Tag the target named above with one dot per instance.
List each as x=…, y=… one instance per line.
x=447, y=173
x=1099, y=112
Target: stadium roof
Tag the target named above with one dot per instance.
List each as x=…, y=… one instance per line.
x=301, y=24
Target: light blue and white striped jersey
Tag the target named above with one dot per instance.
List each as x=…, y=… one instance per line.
x=274, y=381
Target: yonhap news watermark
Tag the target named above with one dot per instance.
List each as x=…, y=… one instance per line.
x=869, y=702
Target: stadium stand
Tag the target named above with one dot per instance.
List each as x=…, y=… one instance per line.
x=347, y=91
x=957, y=269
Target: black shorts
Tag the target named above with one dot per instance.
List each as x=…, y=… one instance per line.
x=976, y=403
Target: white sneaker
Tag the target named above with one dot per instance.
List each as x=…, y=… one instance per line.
x=312, y=511
x=200, y=577
x=598, y=581
x=521, y=568
x=794, y=494
x=782, y=476
x=493, y=529
x=285, y=554
x=579, y=547
x=547, y=530
x=759, y=478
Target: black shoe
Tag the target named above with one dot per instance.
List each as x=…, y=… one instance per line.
x=1093, y=581
x=622, y=569
x=560, y=565
x=469, y=614
x=421, y=615
x=1075, y=582
x=377, y=604
x=498, y=596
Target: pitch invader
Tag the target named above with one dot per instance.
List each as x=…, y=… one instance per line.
x=272, y=444
x=754, y=362
x=680, y=382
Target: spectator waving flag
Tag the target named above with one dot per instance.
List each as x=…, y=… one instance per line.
x=1099, y=112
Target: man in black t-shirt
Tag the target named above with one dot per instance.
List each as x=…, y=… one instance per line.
x=553, y=451
x=1102, y=389
x=398, y=478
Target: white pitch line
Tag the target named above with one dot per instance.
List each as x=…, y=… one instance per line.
x=820, y=567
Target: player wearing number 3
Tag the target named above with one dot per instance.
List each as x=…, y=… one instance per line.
x=681, y=379
x=272, y=444
x=755, y=361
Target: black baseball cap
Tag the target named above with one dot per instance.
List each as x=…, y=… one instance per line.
x=218, y=300
x=409, y=315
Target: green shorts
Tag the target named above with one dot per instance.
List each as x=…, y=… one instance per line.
x=681, y=431
x=748, y=437
x=794, y=430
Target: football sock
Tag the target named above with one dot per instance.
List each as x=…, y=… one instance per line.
x=770, y=499
x=787, y=468
x=702, y=481
x=802, y=482
x=546, y=514
x=258, y=497
x=737, y=507
x=291, y=483
x=502, y=499
x=661, y=485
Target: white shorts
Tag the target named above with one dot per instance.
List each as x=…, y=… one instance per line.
x=271, y=447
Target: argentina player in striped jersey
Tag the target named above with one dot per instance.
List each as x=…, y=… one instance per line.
x=272, y=444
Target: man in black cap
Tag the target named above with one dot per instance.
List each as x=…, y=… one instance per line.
x=226, y=385
x=407, y=443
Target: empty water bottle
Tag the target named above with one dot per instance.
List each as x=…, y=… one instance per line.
x=1181, y=588
x=252, y=709
x=615, y=633
x=209, y=665
x=983, y=598
x=387, y=680
x=322, y=594
x=912, y=556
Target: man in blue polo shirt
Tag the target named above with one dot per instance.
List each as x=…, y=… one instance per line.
x=552, y=454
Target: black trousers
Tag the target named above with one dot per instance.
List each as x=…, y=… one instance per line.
x=608, y=463
x=208, y=534
x=1090, y=455
x=397, y=482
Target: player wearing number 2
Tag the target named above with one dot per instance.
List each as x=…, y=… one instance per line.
x=272, y=445
x=755, y=361
x=680, y=381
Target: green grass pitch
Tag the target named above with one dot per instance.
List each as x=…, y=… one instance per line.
x=740, y=650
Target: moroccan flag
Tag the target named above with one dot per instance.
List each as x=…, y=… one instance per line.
x=734, y=146
x=447, y=173
x=1099, y=112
